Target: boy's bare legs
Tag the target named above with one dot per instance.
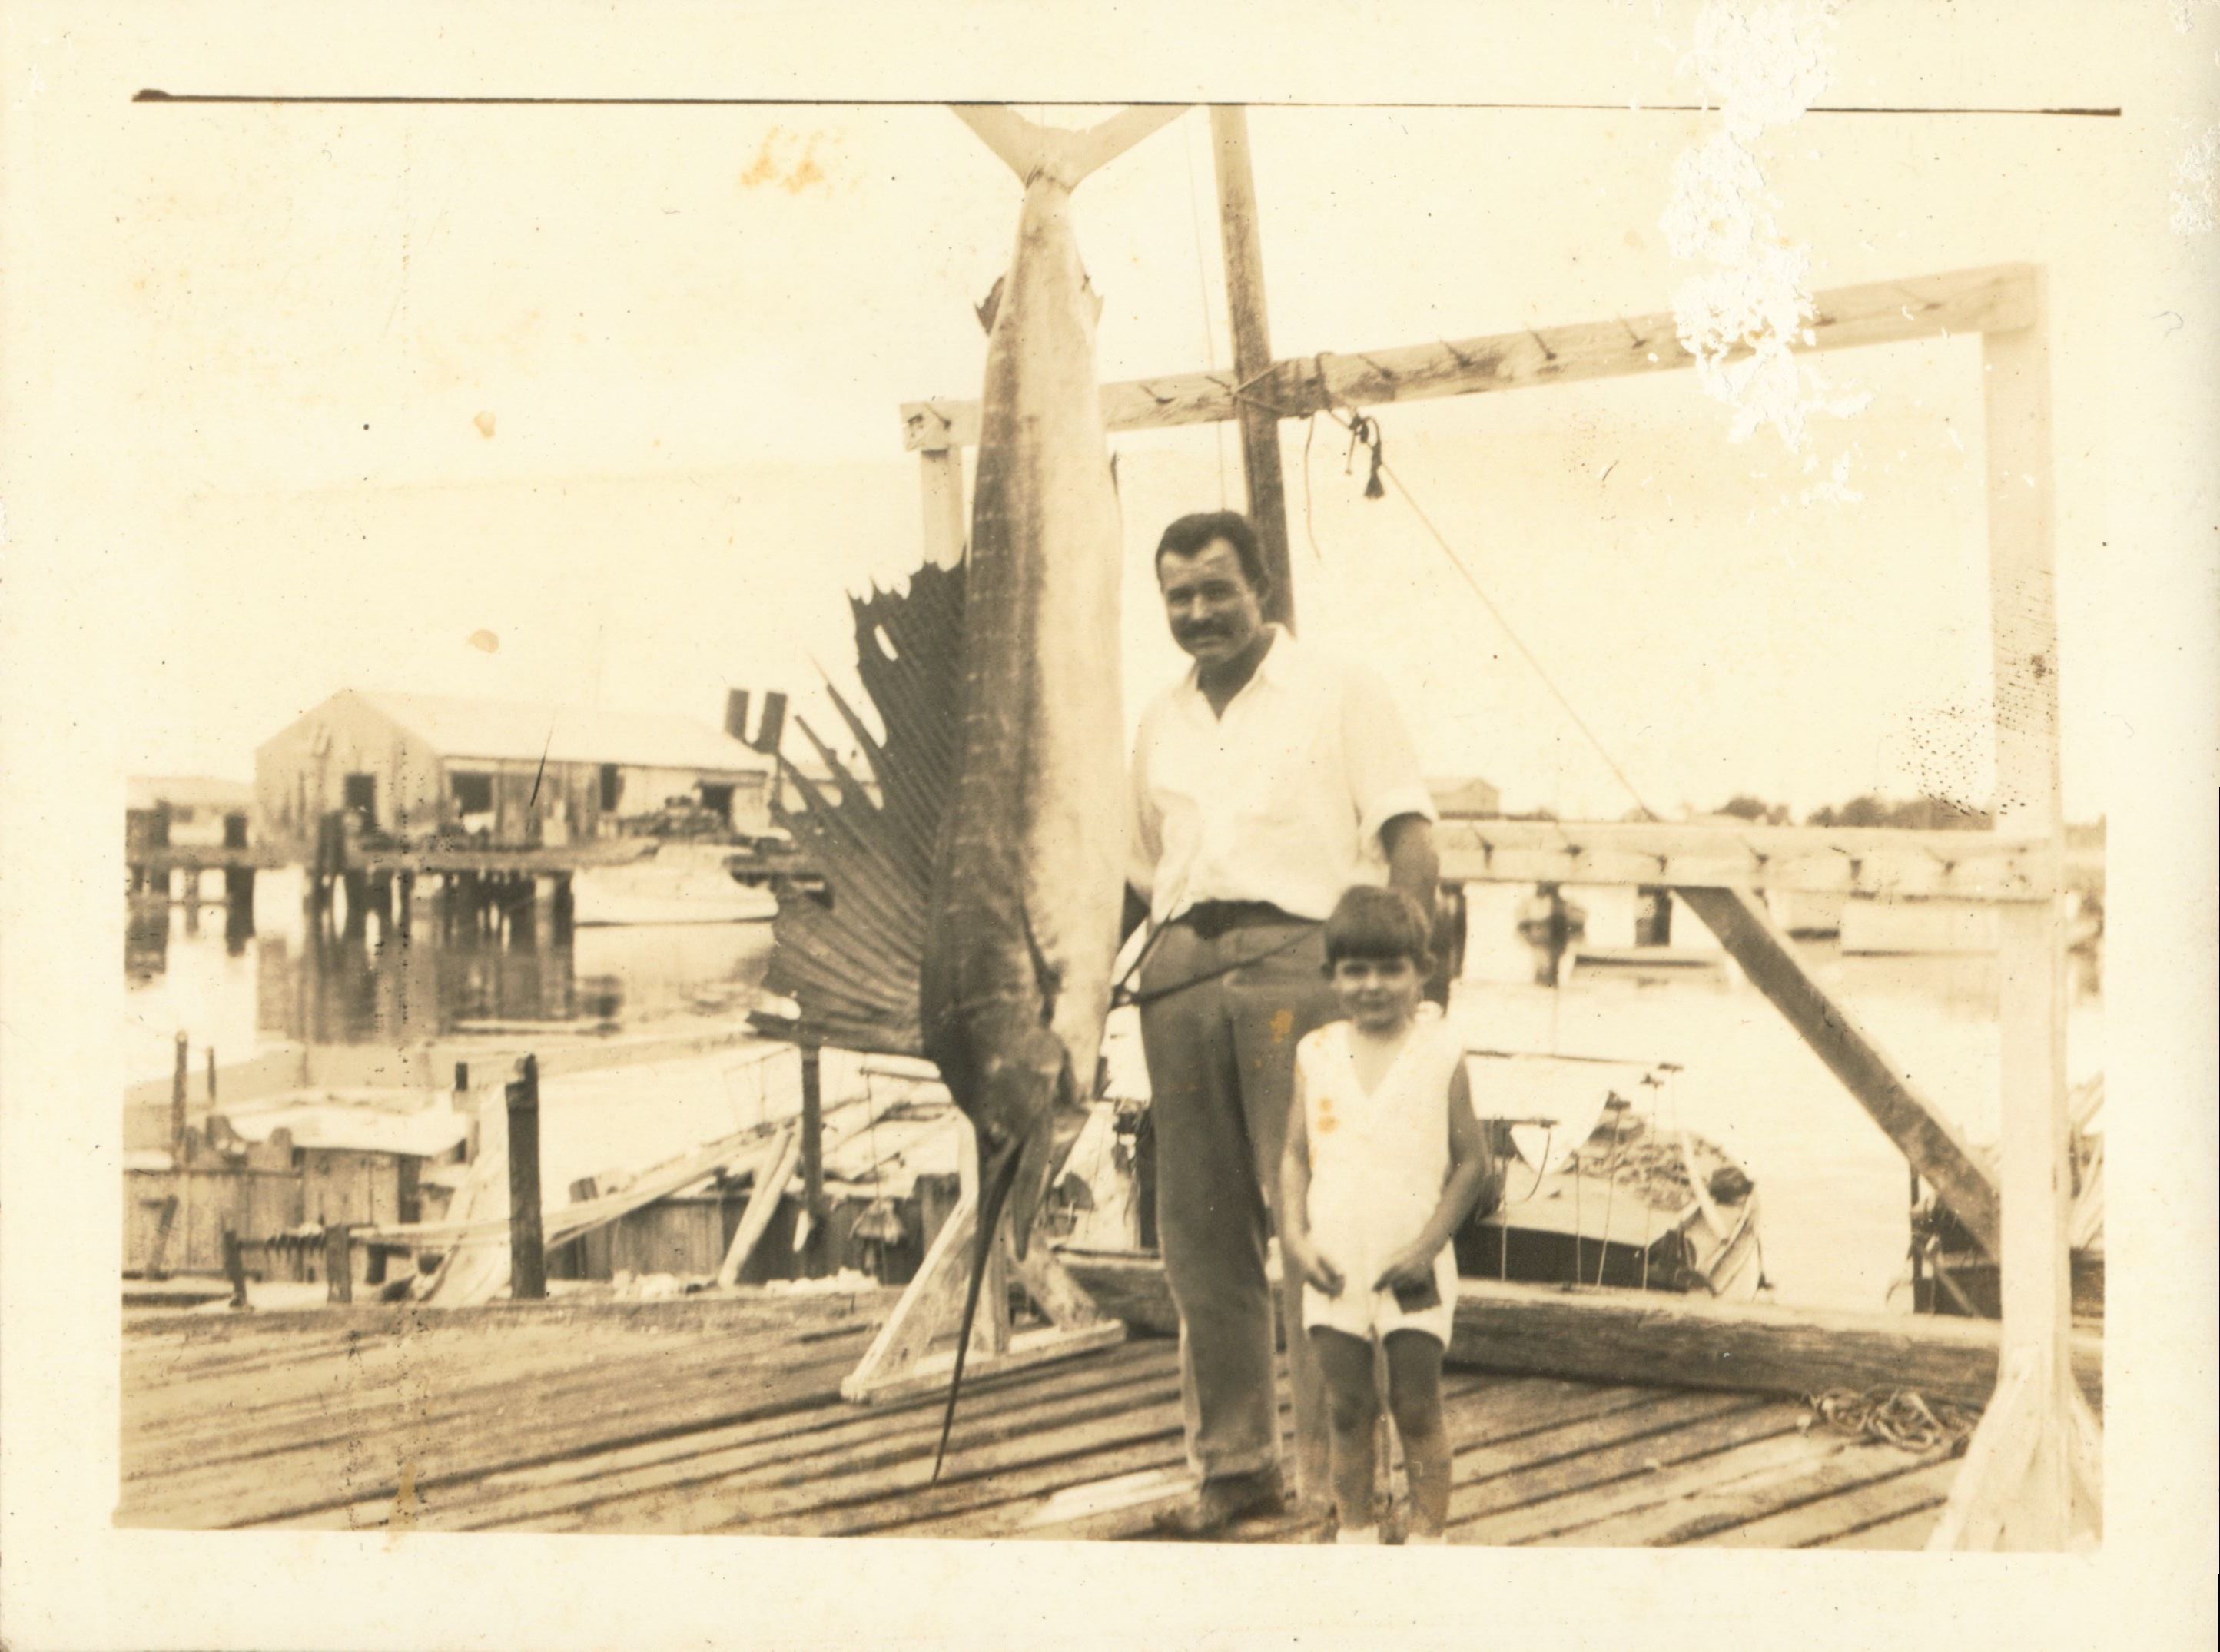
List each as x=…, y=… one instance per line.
x=1353, y=1416
x=1414, y=1395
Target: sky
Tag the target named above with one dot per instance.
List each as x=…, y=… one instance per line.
x=619, y=387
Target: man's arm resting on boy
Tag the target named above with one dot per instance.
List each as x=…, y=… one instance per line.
x=1296, y=1250
x=1414, y=1264
x=1413, y=866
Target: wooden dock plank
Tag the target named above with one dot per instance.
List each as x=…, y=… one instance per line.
x=1581, y=1492
x=1735, y=1499
x=720, y=1452
x=673, y=1496
x=1826, y=1521
x=589, y=1392
x=369, y=1463
x=1054, y=1501
x=684, y=1417
x=1907, y=1531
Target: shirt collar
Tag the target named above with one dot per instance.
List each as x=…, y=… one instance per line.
x=1272, y=669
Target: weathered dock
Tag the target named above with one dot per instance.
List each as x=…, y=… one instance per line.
x=722, y=1415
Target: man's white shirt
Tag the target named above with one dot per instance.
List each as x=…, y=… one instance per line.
x=1280, y=800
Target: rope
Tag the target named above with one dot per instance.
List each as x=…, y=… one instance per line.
x=1898, y=1417
x=1121, y=996
x=1366, y=431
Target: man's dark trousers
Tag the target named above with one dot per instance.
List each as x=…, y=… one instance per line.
x=1220, y=1045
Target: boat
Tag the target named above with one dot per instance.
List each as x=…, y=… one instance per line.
x=679, y=883
x=1646, y=963
x=1918, y=925
x=1594, y=1189
x=1951, y=1274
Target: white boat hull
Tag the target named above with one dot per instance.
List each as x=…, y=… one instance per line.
x=674, y=887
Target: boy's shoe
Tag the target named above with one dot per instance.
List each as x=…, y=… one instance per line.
x=1224, y=1500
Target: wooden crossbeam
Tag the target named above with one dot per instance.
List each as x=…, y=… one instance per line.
x=1995, y=299
x=1869, y=861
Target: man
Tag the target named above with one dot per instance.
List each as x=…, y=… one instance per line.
x=1268, y=780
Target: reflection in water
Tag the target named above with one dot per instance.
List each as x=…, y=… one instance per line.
x=274, y=974
x=393, y=988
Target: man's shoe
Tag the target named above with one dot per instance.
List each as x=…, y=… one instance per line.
x=1224, y=1500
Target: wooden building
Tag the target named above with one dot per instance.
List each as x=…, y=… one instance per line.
x=416, y=768
x=181, y=809
x=1466, y=797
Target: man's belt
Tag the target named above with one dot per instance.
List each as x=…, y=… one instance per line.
x=1212, y=919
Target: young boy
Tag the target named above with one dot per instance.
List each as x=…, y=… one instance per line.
x=1384, y=1159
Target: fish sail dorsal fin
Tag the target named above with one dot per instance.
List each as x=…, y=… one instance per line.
x=1029, y=150
x=852, y=966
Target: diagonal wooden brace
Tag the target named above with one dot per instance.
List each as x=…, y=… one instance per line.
x=1930, y=1141
x=913, y=1353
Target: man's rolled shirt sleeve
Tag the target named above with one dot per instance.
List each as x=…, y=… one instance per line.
x=1384, y=776
x=1144, y=830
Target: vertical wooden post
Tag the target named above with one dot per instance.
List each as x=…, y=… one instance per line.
x=211, y=1076
x=812, y=1159
x=527, y=1245
x=2035, y=1265
x=940, y=478
x=1252, y=352
x=234, y=1268
x=178, y=1103
x=339, y=1263
x=2017, y=1488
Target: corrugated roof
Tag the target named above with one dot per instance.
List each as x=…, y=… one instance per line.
x=459, y=727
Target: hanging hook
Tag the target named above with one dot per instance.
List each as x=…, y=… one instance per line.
x=1366, y=432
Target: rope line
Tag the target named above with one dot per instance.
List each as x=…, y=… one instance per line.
x=1364, y=431
x=1898, y=1417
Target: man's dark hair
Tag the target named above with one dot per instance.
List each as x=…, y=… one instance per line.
x=1378, y=925
x=1187, y=536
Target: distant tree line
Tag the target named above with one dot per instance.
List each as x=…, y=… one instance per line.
x=1924, y=813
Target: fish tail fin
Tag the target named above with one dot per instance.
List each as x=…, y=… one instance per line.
x=1029, y=150
x=996, y=1177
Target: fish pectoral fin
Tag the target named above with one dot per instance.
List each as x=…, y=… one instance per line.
x=988, y=308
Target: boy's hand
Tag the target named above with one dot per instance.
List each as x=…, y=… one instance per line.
x=1407, y=1270
x=1317, y=1271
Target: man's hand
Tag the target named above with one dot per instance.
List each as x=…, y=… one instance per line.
x=1319, y=1273
x=1405, y=1270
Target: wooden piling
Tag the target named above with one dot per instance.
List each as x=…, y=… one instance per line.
x=339, y=1263
x=812, y=1159
x=527, y=1244
x=178, y=1103
x=234, y=1268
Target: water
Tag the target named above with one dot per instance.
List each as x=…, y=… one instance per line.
x=1834, y=1190
x=288, y=982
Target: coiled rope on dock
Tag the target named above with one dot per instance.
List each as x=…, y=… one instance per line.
x=1897, y=1417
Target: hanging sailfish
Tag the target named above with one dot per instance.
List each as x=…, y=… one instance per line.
x=974, y=909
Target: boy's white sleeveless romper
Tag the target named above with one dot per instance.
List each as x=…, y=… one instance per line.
x=1378, y=1163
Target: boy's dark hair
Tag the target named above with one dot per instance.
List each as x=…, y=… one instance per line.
x=1378, y=925
x=1188, y=535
